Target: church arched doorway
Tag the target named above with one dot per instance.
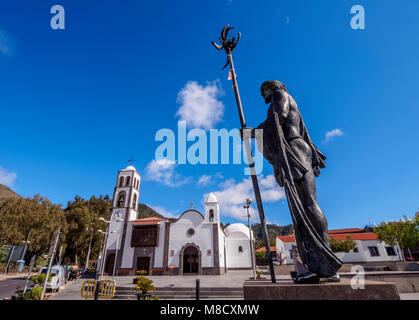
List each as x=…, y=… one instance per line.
x=190, y=260
x=109, y=263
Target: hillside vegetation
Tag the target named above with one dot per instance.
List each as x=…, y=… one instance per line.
x=7, y=193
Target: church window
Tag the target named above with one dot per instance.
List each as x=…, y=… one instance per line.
x=211, y=215
x=190, y=232
x=240, y=249
x=121, y=200
x=208, y=252
x=172, y=253
x=121, y=182
x=134, y=201
x=128, y=181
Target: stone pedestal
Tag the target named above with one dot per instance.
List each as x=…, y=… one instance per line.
x=288, y=290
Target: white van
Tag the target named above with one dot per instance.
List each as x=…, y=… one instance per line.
x=57, y=277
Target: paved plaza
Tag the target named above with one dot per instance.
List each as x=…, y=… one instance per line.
x=232, y=279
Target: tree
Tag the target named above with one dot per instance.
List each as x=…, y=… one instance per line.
x=338, y=245
x=37, y=217
x=82, y=214
x=404, y=233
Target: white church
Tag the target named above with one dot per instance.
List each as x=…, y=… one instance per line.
x=194, y=243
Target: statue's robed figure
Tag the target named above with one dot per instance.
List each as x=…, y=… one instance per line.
x=296, y=162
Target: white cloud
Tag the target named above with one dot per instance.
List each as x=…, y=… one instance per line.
x=5, y=43
x=205, y=179
x=331, y=134
x=233, y=195
x=164, y=212
x=200, y=107
x=7, y=178
x=163, y=171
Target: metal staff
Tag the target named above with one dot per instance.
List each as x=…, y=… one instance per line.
x=228, y=45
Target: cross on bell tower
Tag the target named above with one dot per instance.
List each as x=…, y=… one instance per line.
x=131, y=161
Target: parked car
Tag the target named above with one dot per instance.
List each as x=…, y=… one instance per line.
x=58, y=278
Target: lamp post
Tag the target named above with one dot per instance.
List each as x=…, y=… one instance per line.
x=90, y=246
x=108, y=222
x=116, y=253
x=252, y=253
x=105, y=244
x=102, y=249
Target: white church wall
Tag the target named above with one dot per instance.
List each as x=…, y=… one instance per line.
x=221, y=241
x=237, y=259
x=115, y=226
x=159, y=250
x=201, y=237
x=128, y=254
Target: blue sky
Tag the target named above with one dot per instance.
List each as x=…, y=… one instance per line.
x=76, y=104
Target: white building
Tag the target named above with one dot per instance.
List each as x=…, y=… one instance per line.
x=193, y=243
x=368, y=247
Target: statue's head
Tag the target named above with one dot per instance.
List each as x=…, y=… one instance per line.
x=269, y=87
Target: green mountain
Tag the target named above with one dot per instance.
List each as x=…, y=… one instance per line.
x=6, y=193
x=144, y=211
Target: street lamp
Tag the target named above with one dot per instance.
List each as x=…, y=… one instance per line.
x=116, y=253
x=252, y=254
x=106, y=243
x=90, y=245
x=102, y=249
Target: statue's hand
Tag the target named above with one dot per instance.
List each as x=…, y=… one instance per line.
x=252, y=132
x=316, y=171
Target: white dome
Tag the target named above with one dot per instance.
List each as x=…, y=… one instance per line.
x=211, y=198
x=129, y=168
x=237, y=230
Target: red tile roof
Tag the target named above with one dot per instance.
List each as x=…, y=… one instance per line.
x=342, y=236
x=349, y=230
x=148, y=221
x=263, y=249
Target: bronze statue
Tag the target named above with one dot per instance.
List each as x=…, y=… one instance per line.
x=296, y=162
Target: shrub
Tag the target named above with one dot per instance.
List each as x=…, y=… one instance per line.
x=260, y=254
x=144, y=285
x=34, y=294
x=141, y=272
x=342, y=245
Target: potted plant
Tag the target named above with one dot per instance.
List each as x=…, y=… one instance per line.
x=258, y=274
x=143, y=286
x=140, y=273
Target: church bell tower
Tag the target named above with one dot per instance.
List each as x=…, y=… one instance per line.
x=124, y=209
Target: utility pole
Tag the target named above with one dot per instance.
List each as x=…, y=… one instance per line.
x=252, y=252
x=56, y=236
